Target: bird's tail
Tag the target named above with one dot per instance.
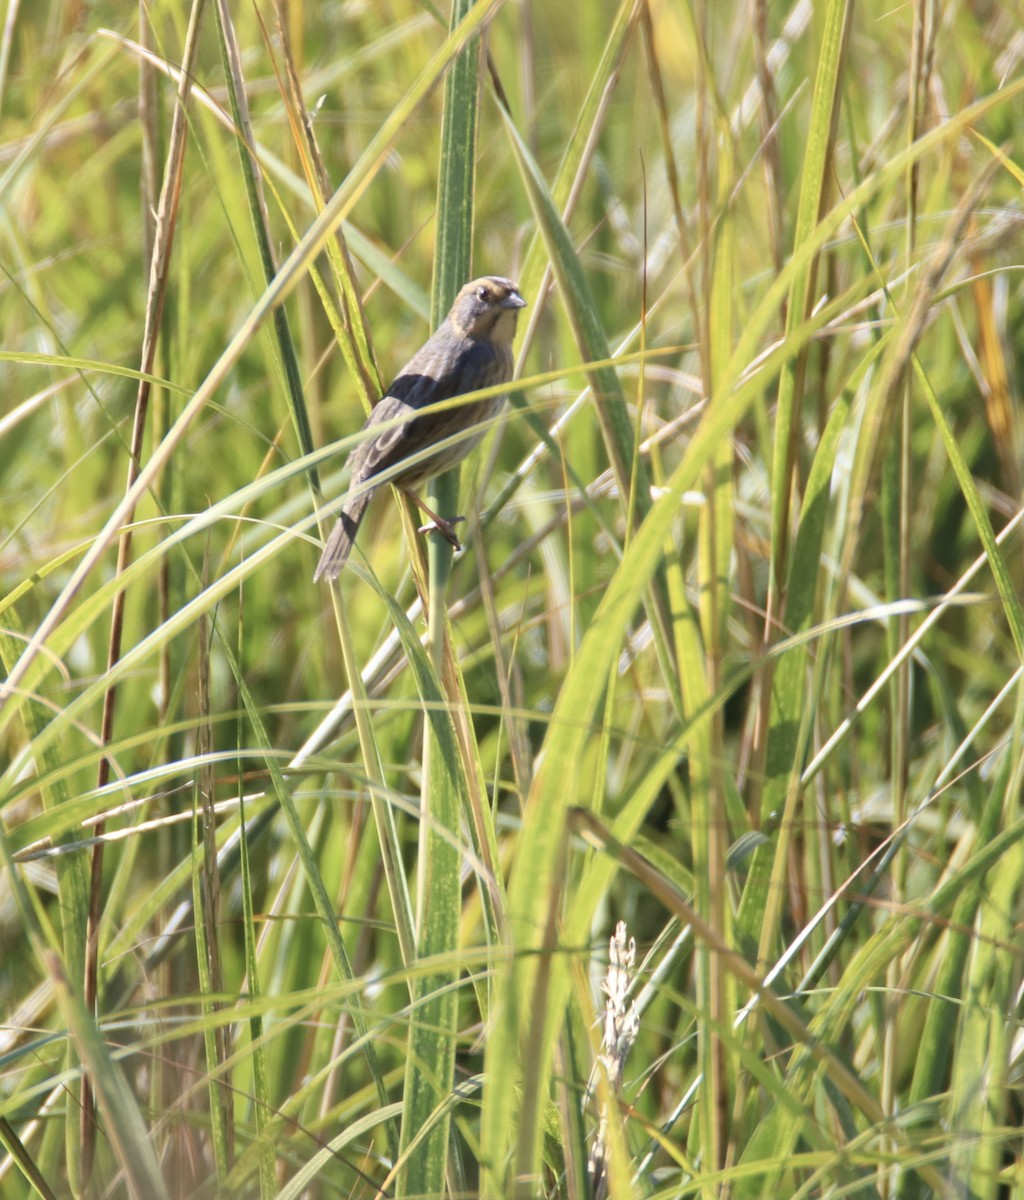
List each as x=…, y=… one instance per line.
x=343, y=535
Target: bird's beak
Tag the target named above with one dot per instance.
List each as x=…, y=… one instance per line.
x=513, y=300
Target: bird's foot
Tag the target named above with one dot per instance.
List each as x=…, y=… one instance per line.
x=438, y=524
x=445, y=528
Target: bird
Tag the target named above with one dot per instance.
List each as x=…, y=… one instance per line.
x=469, y=351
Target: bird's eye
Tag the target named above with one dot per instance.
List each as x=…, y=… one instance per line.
x=482, y=293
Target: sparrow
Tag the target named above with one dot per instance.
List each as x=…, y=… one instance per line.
x=470, y=350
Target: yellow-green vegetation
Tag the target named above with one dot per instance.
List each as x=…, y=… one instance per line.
x=307, y=890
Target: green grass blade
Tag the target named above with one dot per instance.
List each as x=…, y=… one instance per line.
x=814, y=188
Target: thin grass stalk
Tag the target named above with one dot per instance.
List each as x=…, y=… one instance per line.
x=672, y=171
x=430, y=1062
x=434, y=1011
x=814, y=193
x=123, y=1121
x=715, y=554
x=29, y=149
x=938, y=1033
x=206, y=894
x=321, y=899
x=536, y=273
x=260, y=1100
x=574, y=167
x=152, y=132
x=350, y=325
x=899, y=353
x=897, y=495
x=477, y=815
x=709, y=1132
x=981, y=1070
x=10, y=23
x=73, y=885
x=814, y=190
x=383, y=813
x=19, y=1153
x=231, y=63
x=769, y=111
x=163, y=241
x=613, y=418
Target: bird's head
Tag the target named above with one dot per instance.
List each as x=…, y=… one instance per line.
x=487, y=308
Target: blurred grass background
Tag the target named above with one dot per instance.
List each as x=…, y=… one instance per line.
x=732, y=654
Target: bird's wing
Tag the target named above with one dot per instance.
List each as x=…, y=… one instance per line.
x=379, y=450
x=447, y=366
x=440, y=371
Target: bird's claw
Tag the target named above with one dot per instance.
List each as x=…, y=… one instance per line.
x=446, y=529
